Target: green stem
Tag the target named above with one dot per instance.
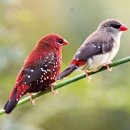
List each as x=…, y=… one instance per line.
x=69, y=81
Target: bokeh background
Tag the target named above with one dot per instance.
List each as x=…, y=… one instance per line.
x=103, y=103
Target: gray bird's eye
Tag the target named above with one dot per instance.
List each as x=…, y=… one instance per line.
x=116, y=26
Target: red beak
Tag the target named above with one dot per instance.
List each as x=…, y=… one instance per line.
x=123, y=28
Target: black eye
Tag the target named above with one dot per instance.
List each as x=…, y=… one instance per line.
x=116, y=26
x=60, y=41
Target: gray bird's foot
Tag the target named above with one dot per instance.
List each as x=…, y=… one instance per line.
x=52, y=88
x=31, y=99
x=108, y=67
x=87, y=76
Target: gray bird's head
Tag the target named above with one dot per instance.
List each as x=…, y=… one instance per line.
x=112, y=27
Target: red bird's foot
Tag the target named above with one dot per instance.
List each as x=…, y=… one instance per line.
x=108, y=67
x=87, y=76
x=31, y=99
x=52, y=89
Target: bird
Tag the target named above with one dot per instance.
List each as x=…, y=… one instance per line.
x=40, y=69
x=98, y=49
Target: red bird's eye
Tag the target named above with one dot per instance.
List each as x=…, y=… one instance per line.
x=60, y=41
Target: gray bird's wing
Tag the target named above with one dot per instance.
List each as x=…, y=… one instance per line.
x=94, y=45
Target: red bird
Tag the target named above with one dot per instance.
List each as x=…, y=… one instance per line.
x=39, y=70
x=98, y=49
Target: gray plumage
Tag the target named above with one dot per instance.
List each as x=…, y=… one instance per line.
x=99, y=48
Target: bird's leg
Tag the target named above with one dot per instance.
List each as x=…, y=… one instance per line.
x=107, y=66
x=87, y=76
x=52, y=88
x=31, y=99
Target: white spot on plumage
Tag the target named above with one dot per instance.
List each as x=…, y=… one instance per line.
x=47, y=77
x=94, y=45
x=29, y=76
x=37, y=82
x=32, y=70
x=44, y=78
x=98, y=47
x=41, y=81
x=46, y=65
x=48, y=70
x=42, y=69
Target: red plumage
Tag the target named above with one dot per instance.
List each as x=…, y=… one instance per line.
x=39, y=70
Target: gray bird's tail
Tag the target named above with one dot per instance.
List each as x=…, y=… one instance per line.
x=67, y=71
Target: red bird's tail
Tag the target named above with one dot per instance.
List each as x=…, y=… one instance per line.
x=67, y=71
x=17, y=93
x=11, y=103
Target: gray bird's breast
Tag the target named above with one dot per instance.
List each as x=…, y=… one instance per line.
x=97, y=61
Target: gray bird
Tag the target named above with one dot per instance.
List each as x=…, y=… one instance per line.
x=98, y=49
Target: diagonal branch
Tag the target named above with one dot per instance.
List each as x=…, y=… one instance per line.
x=69, y=81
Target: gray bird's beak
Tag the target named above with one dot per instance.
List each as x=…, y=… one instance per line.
x=123, y=28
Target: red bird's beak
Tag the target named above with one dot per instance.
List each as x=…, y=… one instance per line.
x=123, y=28
x=65, y=42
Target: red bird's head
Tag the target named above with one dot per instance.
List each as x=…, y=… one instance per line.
x=52, y=41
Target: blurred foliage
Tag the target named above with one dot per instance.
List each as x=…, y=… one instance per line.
x=102, y=104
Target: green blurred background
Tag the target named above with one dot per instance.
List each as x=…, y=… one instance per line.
x=102, y=104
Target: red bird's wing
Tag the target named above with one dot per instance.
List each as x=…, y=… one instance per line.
x=43, y=72
x=31, y=74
